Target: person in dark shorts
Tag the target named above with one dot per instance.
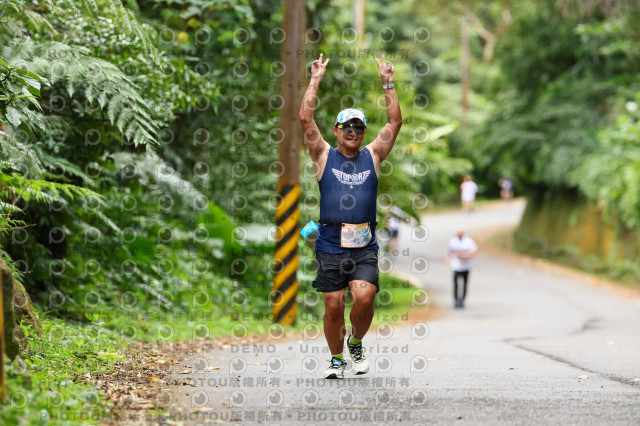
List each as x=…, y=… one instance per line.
x=346, y=245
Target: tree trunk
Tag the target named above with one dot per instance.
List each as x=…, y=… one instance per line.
x=17, y=307
x=464, y=64
x=490, y=38
x=359, y=7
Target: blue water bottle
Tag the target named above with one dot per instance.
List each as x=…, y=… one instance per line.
x=309, y=229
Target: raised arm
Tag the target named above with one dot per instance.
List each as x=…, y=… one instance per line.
x=381, y=146
x=312, y=138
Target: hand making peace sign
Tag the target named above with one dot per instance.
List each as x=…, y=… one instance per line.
x=386, y=70
x=318, y=68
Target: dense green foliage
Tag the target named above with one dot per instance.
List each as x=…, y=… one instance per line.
x=113, y=223
x=566, y=115
x=136, y=144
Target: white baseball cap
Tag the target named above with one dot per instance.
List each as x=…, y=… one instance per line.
x=349, y=114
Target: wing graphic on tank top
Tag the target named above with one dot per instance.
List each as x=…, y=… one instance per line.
x=351, y=179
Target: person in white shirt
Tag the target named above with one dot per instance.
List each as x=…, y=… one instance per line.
x=394, y=217
x=461, y=250
x=468, y=190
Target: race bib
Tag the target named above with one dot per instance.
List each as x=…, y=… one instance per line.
x=355, y=235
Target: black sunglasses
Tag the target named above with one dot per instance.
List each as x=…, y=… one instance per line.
x=348, y=128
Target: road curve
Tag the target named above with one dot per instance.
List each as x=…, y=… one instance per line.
x=530, y=347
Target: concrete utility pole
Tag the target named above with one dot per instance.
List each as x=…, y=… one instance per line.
x=285, y=281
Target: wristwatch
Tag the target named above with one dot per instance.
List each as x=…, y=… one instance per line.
x=387, y=86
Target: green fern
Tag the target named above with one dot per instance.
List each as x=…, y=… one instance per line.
x=43, y=191
x=9, y=208
x=7, y=224
x=21, y=154
x=107, y=221
x=63, y=166
x=94, y=77
x=125, y=107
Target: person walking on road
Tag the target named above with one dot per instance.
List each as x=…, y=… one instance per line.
x=394, y=217
x=461, y=250
x=468, y=190
x=506, y=188
x=346, y=245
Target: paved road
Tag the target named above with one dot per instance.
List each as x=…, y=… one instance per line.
x=529, y=348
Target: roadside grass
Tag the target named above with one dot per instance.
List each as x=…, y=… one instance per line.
x=54, y=382
x=395, y=300
x=393, y=303
x=183, y=327
x=503, y=240
x=50, y=382
x=57, y=380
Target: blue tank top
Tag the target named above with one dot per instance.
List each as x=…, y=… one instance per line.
x=348, y=193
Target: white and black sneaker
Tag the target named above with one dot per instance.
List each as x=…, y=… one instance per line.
x=336, y=369
x=360, y=363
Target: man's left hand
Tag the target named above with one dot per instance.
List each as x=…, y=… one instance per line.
x=386, y=70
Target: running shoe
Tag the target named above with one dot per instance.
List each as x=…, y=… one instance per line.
x=360, y=363
x=336, y=369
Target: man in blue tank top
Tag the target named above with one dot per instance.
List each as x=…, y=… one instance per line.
x=346, y=246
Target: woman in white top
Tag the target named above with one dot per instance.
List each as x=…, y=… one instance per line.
x=468, y=190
